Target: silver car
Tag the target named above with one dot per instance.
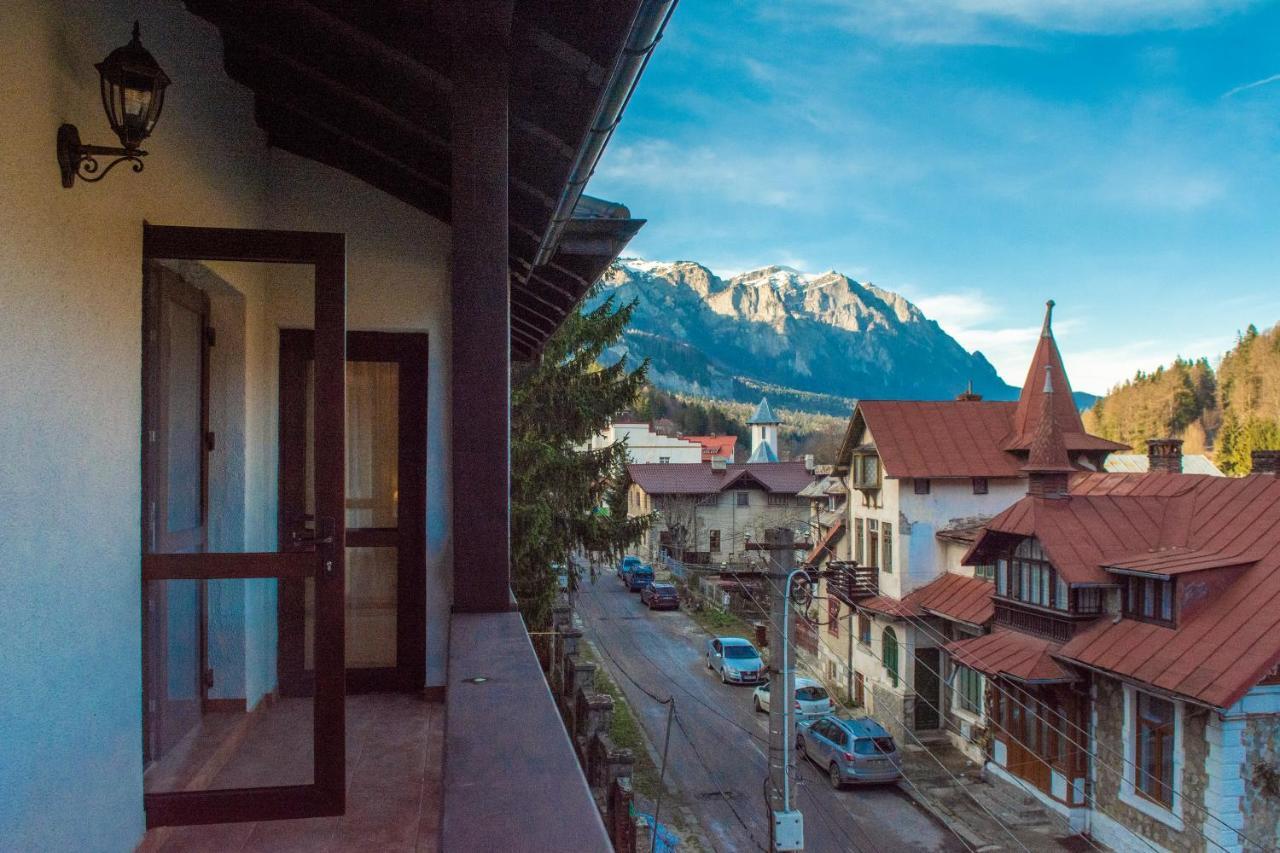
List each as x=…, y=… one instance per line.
x=812, y=699
x=735, y=659
x=850, y=750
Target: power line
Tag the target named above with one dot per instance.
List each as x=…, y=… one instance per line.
x=937, y=636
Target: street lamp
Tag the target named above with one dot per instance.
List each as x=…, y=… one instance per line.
x=132, y=85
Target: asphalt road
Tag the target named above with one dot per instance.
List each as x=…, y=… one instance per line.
x=718, y=757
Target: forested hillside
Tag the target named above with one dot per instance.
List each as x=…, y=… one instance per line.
x=1228, y=412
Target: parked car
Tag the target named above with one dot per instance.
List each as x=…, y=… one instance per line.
x=660, y=596
x=628, y=563
x=852, y=751
x=562, y=575
x=639, y=577
x=812, y=699
x=735, y=659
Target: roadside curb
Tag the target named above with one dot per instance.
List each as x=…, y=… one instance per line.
x=971, y=838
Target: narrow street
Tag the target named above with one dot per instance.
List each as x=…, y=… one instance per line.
x=718, y=754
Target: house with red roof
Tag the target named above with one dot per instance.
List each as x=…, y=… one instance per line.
x=708, y=511
x=716, y=446
x=923, y=477
x=1134, y=662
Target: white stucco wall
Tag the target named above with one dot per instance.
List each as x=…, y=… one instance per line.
x=70, y=409
x=645, y=445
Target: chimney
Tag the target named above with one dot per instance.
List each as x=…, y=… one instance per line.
x=808, y=462
x=1266, y=462
x=718, y=463
x=1164, y=455
x=967, y=395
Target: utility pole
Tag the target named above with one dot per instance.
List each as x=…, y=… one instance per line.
x=787, y=822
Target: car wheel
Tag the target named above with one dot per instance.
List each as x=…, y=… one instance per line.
x=834, y=775
x=723, y=678
x=755, y=700
x=708, y=662
x=800, y=746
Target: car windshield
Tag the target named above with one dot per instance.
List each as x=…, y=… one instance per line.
x=873, y=745
x=739, y=652
x=811, y=694
x=662, y=587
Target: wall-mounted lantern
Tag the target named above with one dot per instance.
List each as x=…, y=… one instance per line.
x=133, y=87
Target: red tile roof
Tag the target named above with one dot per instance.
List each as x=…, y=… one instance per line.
x=974, y=438
x=700, y=478
x=888, y=606
x=958, y=597
x=1010, y=654
x=715, y=445
x=1169, y=524
x=825, y=547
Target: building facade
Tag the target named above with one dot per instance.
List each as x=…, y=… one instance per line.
x=255, y=396
x=707, y=512
x=645, y=446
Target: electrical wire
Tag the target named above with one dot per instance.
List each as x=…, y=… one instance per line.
x=1093, y=754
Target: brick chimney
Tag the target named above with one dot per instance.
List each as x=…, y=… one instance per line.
x=1266, y=462
x=1164, y=455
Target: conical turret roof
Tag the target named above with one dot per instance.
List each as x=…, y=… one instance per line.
x=763, y=414
x=1048, y=451
x=1046, y=371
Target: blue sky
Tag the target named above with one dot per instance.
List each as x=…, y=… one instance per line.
x=978, y=156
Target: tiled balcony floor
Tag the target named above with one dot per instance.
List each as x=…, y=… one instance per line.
x=394, y=801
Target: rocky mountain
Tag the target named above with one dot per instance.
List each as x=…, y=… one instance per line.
x=811, y=342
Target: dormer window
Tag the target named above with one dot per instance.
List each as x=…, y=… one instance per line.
x=1149, y=599
x=866, y=471
x=1029, y=577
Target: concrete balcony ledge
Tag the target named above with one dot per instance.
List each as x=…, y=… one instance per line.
x=511, y=777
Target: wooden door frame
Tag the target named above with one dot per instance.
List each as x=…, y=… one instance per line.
x=932, y=704
x=409, y=351
x=326, y=254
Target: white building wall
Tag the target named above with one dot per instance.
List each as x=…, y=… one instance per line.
x=644, y=445
x=70, y=407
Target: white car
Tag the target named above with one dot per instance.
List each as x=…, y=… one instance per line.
x=812, y=699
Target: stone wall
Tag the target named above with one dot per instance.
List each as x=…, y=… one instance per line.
x=890, y=710
x=1262, y=779
x=1109, y=733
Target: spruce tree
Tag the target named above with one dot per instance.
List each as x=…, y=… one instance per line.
x=565, y=498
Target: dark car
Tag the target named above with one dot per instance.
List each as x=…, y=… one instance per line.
x=660, y=596
x=639, y=577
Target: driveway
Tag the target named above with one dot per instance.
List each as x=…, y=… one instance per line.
x=718, y=757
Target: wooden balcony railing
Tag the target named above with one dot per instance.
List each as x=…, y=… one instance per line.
x=1029, y=619
x=851, y=583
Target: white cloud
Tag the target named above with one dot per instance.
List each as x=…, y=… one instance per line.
x=1003, y=21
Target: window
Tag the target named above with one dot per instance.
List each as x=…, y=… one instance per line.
x=886, y=548
x=1032, y=579
x=890, y=656
x=1153, y=745
x=866, y=472
x=714, y=546
x=921, y=486
x=1149, y=599
x=859, y=556
x=779, y=500
x=985, y=573
x=969, y=685
x=1002, y=577
x=744, y=499
x=864, y=629
x=1089, y=600
x=831, y=670
x=979, y=485
x=712, y=499
x=663, y=460
x=833, y=616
